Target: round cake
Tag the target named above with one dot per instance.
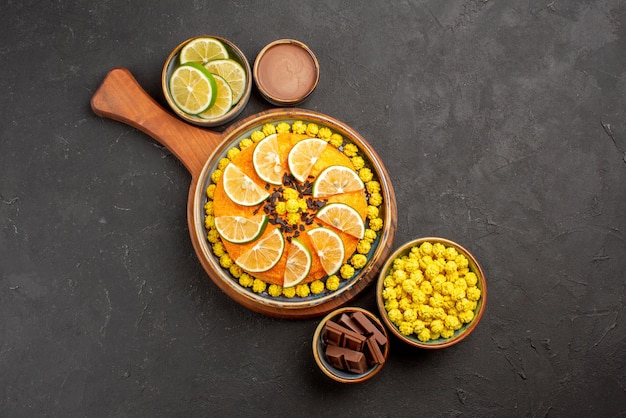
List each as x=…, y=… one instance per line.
x=292, y=209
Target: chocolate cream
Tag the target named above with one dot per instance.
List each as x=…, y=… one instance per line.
x=287, y=72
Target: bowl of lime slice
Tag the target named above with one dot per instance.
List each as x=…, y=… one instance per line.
x=206, y=80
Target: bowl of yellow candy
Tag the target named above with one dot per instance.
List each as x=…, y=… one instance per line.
x=431, y=293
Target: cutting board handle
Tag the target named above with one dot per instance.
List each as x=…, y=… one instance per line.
x=121, y=98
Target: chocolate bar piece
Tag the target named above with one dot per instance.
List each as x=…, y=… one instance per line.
x=373, y=352
x=345, y=359
x=331, y=334
x=353, y=341
x=369, y=327
x=350, y=323
x=335, y=334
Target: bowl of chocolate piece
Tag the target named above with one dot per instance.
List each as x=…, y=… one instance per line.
x=350, y=345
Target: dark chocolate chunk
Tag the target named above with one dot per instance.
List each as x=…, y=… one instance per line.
x=373, y=352
x=349, y=338
x=350, y=323
x=332, y=335
x=346, y=359
x=353, y=342
x=369, y=327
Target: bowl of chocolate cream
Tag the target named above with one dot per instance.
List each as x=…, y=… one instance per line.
x=286, y=72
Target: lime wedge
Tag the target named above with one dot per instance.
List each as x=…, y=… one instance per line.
x=343, y=217
x=192, y=88
x=233, y=73
x=266, y=160
x=265, y=253
x=299, y=261
x=239, y=230
x=223, y=100
x=203, y=50
x=303, y=156
x=240, y=188
x=336, y=179
x=328, y=247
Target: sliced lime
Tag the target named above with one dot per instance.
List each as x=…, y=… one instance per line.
x=192, y=88
x=203, y=50
x=223, y=100
x=239, y=230
x=232, y=72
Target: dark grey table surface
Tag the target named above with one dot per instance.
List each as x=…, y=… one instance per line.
x=502, y=125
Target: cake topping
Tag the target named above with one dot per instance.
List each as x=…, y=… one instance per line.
x=240, y=188
x=303, y=157
x=336, y=179
x=264, y=254
x=311, y=242
x=329, y=248
x=239, y=229
x=298, y=265
x=344, y=218
x=266, y=160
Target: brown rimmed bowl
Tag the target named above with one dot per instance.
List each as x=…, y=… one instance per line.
x=308, y=66
x=173, y=61
x=460, y=334
x=319, y=346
